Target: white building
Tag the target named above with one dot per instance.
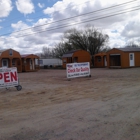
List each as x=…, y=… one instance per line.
x=52, y=62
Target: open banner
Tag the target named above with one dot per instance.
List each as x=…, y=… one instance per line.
x=8, y=77
x=78, y=70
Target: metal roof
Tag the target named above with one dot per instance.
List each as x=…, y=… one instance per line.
x=129, y=49
x=100, y=54
x=3, y=50
x=29, y=55
x=25, y=55
x=69, y=53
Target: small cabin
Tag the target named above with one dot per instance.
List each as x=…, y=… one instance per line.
x=75, y=56
x=29, y=62
x=100, y=60
x=123, y=57
x=10, y=58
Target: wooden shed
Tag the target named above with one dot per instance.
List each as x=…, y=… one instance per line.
x=123, y=57
x=29, y=63
x=100, y=60
x=10, y=58
x=75, y=56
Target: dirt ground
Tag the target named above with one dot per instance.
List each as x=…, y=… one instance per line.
x=49, y=107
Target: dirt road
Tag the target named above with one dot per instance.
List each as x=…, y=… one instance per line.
x=49, y=107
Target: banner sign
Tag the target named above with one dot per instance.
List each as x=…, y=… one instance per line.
x=8, y=77
x=78, y=70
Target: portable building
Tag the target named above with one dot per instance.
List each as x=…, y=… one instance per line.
x=76, y=56
x=100, y=60
x=49, y=62
x=123, y=57
x=28, y=62
x=10, y=58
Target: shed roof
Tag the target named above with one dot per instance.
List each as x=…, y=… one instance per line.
x=3, y=50
x=69, y=53
x=28, y=55
x=100, y=54
x=25, y=55
x=129, y=49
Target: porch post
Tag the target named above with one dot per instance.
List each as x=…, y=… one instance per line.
x=37, y=65
x=10, y=62
x=33, y=63
x=0, y=62
x=24, y=64
x=102, y=60
x=94, y=62
x=20, y=60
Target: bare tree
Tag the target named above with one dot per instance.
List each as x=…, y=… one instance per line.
x=61, y=48
x=89, y=39
x=131, y=44
x=46, y=52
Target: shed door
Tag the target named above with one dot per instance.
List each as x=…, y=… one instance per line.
x=131, y=59
x=30, y=64
x=4, y=62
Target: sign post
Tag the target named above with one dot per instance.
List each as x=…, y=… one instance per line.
x=78, y=70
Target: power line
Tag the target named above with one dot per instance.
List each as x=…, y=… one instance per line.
x=96, y=17
x=87, y=13
x=80, y=22
x=72, y=17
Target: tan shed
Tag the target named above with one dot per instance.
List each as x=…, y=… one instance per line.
x=100, y=60
x=123, y=57
x=10, y=58
x=29, y=63
x=76, y=56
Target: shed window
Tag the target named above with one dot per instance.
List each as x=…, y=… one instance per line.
x=99, y=59
x=5, y=63
x=131, y=57
x=75, y=59
x=64, y=61
x=10, y=52
x=13, y=63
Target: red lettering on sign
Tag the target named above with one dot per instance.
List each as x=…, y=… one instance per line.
x=71, y=70
x=77, y=70
x=1, y=76
x=13, y=76
x=85, y=69
x=6, y=77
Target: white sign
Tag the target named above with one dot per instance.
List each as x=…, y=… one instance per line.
x=8, y=77
x=78, y=69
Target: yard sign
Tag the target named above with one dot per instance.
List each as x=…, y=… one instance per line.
x=8, y=77
x=78, y=70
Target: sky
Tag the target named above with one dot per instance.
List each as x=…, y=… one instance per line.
x=29, y=25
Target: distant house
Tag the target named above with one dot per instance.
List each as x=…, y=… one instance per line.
x=76, y=56
x=10, y=58
x=28, y=62
x=123, y=57
x=100, y=60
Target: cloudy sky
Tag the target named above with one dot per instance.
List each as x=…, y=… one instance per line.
x=29, y=25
